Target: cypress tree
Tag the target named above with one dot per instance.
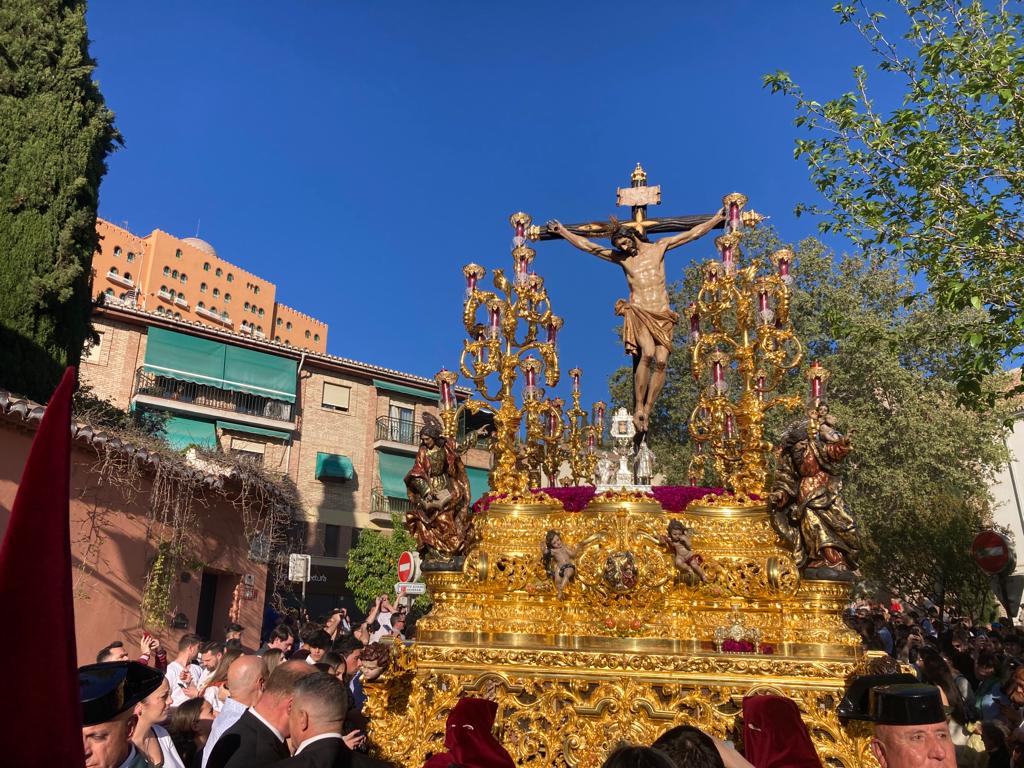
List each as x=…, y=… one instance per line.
x=55, y=135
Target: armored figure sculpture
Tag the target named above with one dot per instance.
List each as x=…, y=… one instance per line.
x=439, y=518
x=807, y=509
x=643, y=464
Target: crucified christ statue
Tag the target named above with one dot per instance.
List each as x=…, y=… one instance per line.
x=648, y=320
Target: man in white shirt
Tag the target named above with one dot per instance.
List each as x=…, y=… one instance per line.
x=183, y=673
x=246, y=677
x=210, y=655
x=315, y=723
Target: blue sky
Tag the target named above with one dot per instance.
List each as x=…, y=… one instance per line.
x=358, y=154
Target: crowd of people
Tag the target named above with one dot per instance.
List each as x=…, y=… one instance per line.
x=296, y=700
x=979, y=671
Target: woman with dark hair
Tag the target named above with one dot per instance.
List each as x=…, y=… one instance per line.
x=935, y=670
x=189, y=727
x=630, y=756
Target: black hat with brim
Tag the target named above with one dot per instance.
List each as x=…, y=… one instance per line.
x=856, y=703
x=112, y=687
x=910, y=704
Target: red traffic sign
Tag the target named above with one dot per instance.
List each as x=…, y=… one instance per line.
x=991, y=551
x=406, y=566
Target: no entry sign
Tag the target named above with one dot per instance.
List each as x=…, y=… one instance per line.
x=407, y=566
x=991, y=551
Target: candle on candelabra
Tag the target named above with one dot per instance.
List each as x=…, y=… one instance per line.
x=727, y=260
x=730, y=426
x=718, y=375
x=444, y=387
x=734, y=215
x=481, y=350
x=522, y=265
x=575, y=373
x=554, y=324
x=694, y=323
x=591, y=441
x=760, y=386
x=494, y=309
x=784, y=260
x=764, y=313
x=817, y=376
x=473, y=273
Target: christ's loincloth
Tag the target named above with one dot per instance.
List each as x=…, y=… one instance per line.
x=659, y=324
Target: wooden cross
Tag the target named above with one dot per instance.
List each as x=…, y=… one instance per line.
x=637, y=196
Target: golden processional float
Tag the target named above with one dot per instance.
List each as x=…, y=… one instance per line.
x=590, y=626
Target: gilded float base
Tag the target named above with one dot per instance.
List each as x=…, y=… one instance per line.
x=613, y=662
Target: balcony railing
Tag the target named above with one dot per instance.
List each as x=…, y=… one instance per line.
x=181, y=301
x=213, y=315
x=166, y=388
x=398, y=430
x=385, y=505
x=120, y=279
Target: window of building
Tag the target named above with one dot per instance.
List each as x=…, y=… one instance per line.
x=245, y=323
x=336, y=396
x=227, y=297
x=277, y=338
x=131, y=256
x=308, y=334
x=216, y=292
x=316, y=337
x=113, y=270
x=261, y=312
x=400, y=425
x=173, y=293
x=202, y=287
x=280, y=322
x=288, y=327
x=219, y=272
x=224, y=314
x=184, y=278
x=177, y=315
x=167, y=270
x=163, y=289
x=332, y=541
x=177, y=254
x=231, y=278
x=248, y=449
x=213, y=309
x=127, y=275
x=117, y=251
x=287, y=342
x=174, y=274
x=201, y=305
x=206, y=266
x=259, y=328
x=109, y=291
x=246, y=306
x=255, y=289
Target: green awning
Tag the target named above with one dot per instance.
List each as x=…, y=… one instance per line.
x=277, y=434
x=393, y=469
x=246, y=370
x=423, y=394
x=201, y=361
x=180, y=432
x=334, y=466
x=478, y=482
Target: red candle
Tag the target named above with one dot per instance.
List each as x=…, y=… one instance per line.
x=599, y=417
x=575, y=380
x=522, y=265
x=552, y=332
x=727, y=259
x=783, y=267
x=495, y=320
x=520, y=229
x=816, y=388
x=760, y=387
x=734, y=216
x=762, y=301
x=694, y=322
x=470, y=282
x=530, y=377
x=717, y=375
x=730, y=426
x=446, y=393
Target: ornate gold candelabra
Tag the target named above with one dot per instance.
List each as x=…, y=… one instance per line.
x=581, y=449
x=509, y=344
x=743, y=342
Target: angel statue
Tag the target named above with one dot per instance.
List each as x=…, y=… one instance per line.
x=439, y=518
x=808, y=511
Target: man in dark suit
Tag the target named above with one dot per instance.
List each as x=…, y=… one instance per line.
x=315, y=723
x=258, y=738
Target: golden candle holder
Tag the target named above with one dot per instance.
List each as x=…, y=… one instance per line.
x=743, y=343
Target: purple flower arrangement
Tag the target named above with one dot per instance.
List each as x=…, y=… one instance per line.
x=745, y=646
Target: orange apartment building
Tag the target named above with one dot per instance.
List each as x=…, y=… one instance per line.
x=345, y=431
x=185, y=279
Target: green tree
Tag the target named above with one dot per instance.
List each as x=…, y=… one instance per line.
x=372, y=564
x=938, y=179
x=55, y=133
x=918, y=479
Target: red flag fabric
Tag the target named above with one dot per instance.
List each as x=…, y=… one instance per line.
x=44, y=716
